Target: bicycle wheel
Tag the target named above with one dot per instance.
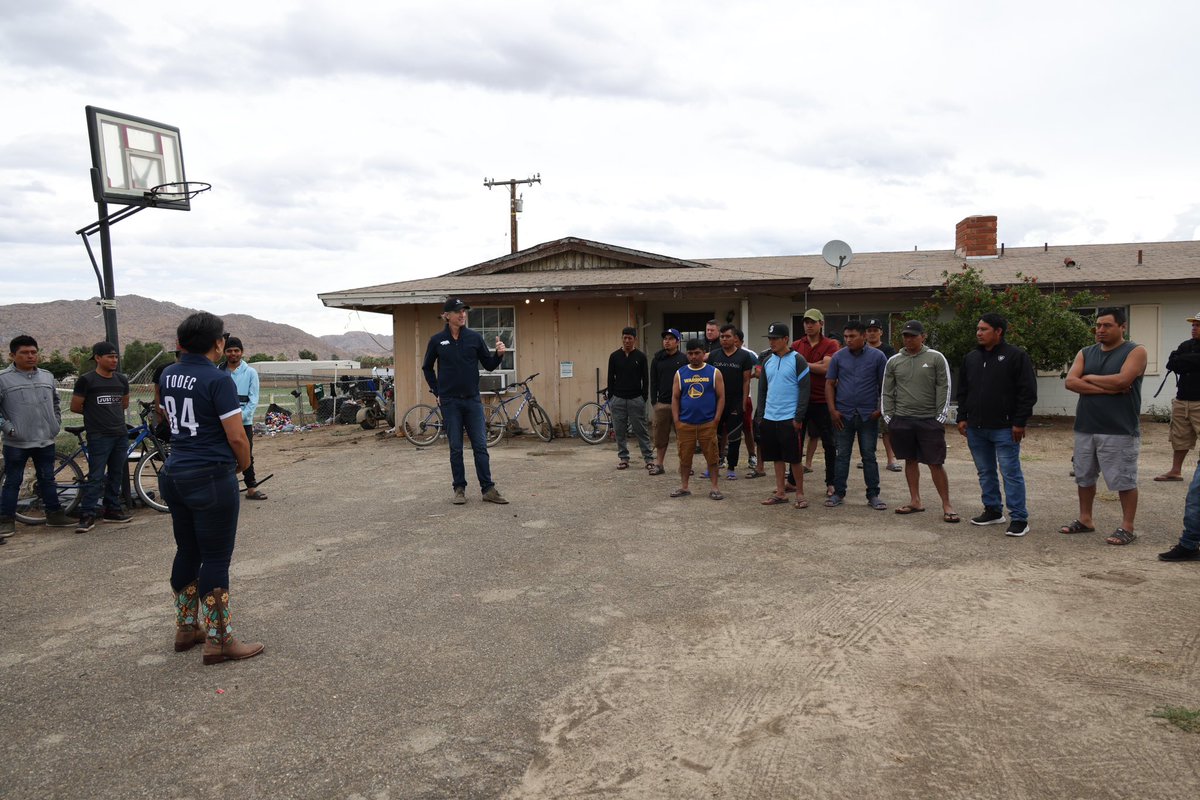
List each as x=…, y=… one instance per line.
x=422, y=424
x=539, y=420
x=68, y=485
x=145, y=479
x=593, y=423
x=497, y=424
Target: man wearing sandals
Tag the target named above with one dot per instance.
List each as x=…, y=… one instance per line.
x=1184, y=361
x=916, y=404
x=1107, y=376
x=663, y=366
x=783, y=396
x=697, y=400
x=627, y=388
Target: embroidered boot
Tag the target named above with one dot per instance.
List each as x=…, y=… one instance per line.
x=220, y=645
x=188, y=630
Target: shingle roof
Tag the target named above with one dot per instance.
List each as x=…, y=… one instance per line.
x=1110, y=266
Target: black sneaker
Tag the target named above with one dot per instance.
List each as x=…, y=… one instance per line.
x=1018, y=527
x=115, y=516
x=990, y=516
x=1179, y=553
x=86, y=523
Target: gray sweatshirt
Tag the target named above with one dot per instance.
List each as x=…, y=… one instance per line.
x=29, y=412
x=916, y=385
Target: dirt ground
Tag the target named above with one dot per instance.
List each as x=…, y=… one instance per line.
x=597, y=638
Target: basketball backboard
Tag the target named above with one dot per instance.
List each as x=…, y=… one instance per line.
x=131, y=156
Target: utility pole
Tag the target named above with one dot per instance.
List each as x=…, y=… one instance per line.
x=514, y=203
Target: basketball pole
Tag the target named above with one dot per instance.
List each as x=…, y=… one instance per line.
x=108, y=292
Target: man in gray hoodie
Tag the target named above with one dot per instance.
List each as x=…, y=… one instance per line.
x=29, y=419
x=915, y=404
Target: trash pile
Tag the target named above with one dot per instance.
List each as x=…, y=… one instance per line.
x=279, y=420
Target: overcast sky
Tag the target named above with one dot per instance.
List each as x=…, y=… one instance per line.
x=347, y=142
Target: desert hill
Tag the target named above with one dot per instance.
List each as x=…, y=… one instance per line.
x=63, y=324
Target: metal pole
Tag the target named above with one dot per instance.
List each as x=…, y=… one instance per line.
x=108, y=296
x=512, y=205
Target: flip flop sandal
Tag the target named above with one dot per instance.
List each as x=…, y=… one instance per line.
x=801, y=503
x=715, y=495
x=775, y=500
x=1076, y=527
x=877, y=504
x=623, y=465
x=951, y=517
x=655, y=469
x=256, y=496
x=753, y=475
x=1121, y=536
x=1168, y=478
x=908, y=509
x=680, y=493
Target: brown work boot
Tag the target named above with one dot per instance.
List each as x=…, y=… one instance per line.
x=220, y=645
x=188, y=630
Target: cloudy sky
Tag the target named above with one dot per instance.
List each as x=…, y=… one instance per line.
x=348, y=142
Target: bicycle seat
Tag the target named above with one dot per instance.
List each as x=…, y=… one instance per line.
x=75, y=429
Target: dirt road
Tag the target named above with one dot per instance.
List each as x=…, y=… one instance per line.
x=596, y=637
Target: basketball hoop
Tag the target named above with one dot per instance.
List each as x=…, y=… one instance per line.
x=177, y=192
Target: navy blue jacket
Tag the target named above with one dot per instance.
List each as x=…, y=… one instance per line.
x=458, y=363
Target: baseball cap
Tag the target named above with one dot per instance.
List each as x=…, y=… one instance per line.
x=1195, y=318
x=454, y=304
x=104, y=349
x=912, y=327
x=778, y=330
x=874, y=323
x=671, y=332
x=814, y=314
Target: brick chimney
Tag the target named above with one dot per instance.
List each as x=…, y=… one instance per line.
x=975, y=237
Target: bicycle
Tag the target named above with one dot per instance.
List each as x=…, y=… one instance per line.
x=423, y=424
x=498, y=419
x=593, y=420
x=69, y=478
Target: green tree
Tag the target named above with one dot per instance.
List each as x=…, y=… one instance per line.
x=58, y=366
x=138, y=354
x=308, y=355
x=1040, y=322
x=81, y=357
x=281, y=357
x=257, y=357
x=375, y=361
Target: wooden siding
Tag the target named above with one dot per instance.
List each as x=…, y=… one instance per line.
x=572, y=261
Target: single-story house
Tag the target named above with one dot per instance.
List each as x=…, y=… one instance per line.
x=560, y=306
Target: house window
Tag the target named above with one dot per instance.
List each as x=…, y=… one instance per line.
x=690, y=325
x=498, y=322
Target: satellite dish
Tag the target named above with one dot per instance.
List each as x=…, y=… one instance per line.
x=837, y=254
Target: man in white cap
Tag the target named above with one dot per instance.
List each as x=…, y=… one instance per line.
x=1184, y=361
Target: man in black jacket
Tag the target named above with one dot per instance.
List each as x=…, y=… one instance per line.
x=663, y=366
x=997, y=390
x=627, y=388
x=1184, y=361
x=458, y=352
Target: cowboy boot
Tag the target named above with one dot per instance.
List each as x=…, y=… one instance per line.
x=188, y=630
x=220, y=645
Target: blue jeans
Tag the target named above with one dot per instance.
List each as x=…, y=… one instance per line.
x=1191, y=514
x=15, y=459
x=867, y=433
x=204, y=505
x=467, y=412
x=992, y=445
x=630, y=415
x=106, y=467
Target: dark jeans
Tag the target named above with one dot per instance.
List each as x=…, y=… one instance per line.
x=15, y=459
x=204, y=505
x=817, y=423
x=867, y=433
x=106, y=469
x=248, y=473
x=467, y=412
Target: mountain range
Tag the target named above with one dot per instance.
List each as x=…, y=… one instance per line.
x=63, y=324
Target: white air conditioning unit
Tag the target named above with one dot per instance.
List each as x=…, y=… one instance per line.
x=493, y=382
